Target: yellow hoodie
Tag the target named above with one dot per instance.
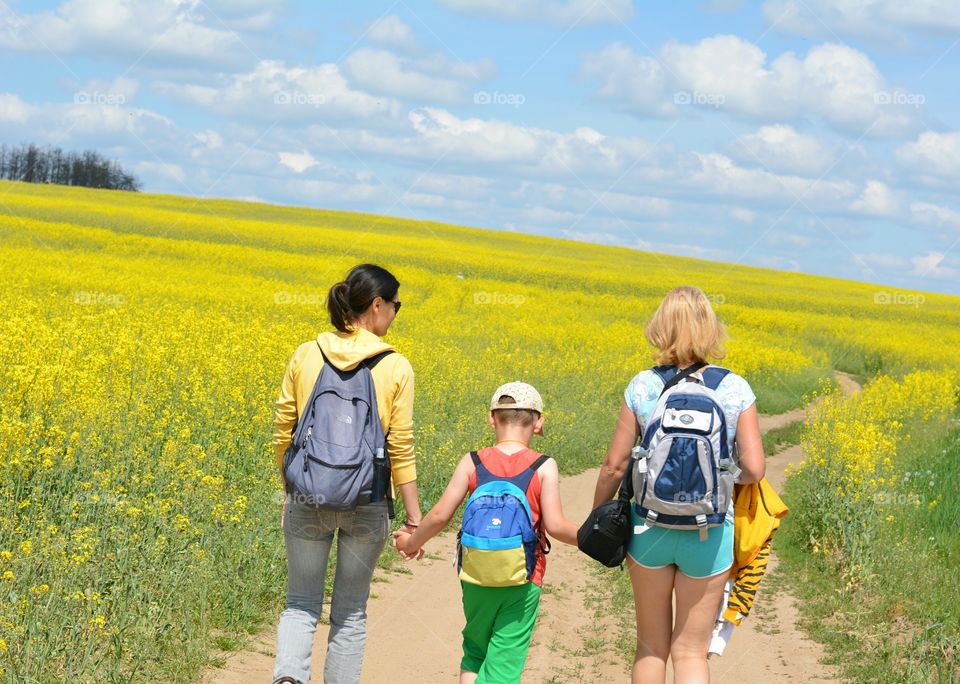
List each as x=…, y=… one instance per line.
x=392, y=379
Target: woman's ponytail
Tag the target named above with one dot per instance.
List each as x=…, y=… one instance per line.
x=349, y=298
x=338, y=304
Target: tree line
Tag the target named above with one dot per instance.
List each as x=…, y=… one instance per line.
x=33, y=164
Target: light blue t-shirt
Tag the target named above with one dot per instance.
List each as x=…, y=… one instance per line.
x=733, y=391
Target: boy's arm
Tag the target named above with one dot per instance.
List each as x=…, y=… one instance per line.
x=439, y=516
x=551, y=509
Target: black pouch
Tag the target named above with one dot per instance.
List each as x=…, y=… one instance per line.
x=606, y=533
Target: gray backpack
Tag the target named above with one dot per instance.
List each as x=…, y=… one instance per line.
x=683, y=475
x=337, y=457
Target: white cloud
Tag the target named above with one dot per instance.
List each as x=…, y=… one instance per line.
x=880, y=260
x=435, y=133
x=275, y=92
x=566, y=12
x=936, y=154
x=170, y=32
x=935, y=215
x=298, y=162
x=727, y=73
x=879, y=20
x=743, y=215
x=432, y=79
x=392, y=32
x=719, y=176
x=781, y=148
x=876, y=200
x=169, y=171
x=13, y=109
x=636, y=82
x=453, y=185
x=932, y=265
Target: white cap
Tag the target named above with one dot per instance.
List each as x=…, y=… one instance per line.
x=525, y=397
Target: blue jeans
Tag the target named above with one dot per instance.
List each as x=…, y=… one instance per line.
x=308, y=533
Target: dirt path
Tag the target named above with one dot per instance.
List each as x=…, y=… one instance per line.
x=419, y=612
x=769, y=645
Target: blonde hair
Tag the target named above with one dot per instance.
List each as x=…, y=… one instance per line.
x=685, y=328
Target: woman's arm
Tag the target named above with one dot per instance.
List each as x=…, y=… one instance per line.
x=400, y=441
x=440, y=515
x=750, y=446
x=551, y=508
x=618, y=455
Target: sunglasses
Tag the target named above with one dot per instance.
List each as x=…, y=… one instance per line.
x=396, y=306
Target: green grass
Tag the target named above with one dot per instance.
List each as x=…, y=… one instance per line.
x=896, y=617
x=780, y=438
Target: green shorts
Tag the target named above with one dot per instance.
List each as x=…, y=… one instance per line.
x=499, y=627
x=657, y=547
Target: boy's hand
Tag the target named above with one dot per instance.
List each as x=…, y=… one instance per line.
x=400, y=539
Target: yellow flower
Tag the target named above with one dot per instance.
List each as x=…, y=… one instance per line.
x=8, y=576
x=26, y=547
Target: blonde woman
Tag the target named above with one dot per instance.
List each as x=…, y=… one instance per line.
x=663, y=561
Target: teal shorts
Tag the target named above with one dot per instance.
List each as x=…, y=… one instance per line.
x=657, y=547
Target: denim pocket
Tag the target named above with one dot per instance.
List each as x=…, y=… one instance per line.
x=370, y=522
x=306, y=522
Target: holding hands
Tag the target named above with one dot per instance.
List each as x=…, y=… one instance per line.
x=401, y=542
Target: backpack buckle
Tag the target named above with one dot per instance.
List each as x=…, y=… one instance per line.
x=702, y=526
x=652, y=517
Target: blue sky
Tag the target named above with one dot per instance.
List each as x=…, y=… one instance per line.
x=808, y=135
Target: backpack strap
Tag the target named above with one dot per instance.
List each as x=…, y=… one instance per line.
x=535, y=466
x=713, y=376
x=372, y=362
x=674, y=377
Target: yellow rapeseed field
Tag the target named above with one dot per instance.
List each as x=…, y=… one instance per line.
x=142, y=343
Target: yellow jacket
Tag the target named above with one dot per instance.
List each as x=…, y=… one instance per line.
x=757, y=510
x=392, y=379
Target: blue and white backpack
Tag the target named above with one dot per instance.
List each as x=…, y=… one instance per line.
x=497, y=544
x=683, y=475
x=337, y=457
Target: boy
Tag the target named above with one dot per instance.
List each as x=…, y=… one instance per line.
x=500, y=618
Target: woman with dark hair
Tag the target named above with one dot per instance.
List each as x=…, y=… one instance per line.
x=361, y=307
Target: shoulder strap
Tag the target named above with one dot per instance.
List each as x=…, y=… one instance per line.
x=372, y=362
x=475, y=457
x=713, y=376
x=535, y=466
x=682, y=375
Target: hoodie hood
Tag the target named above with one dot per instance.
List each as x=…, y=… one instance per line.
x=346, y=350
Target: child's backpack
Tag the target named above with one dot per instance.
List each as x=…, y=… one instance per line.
x=683, y=474
x=337, y=458
x=497, y=544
